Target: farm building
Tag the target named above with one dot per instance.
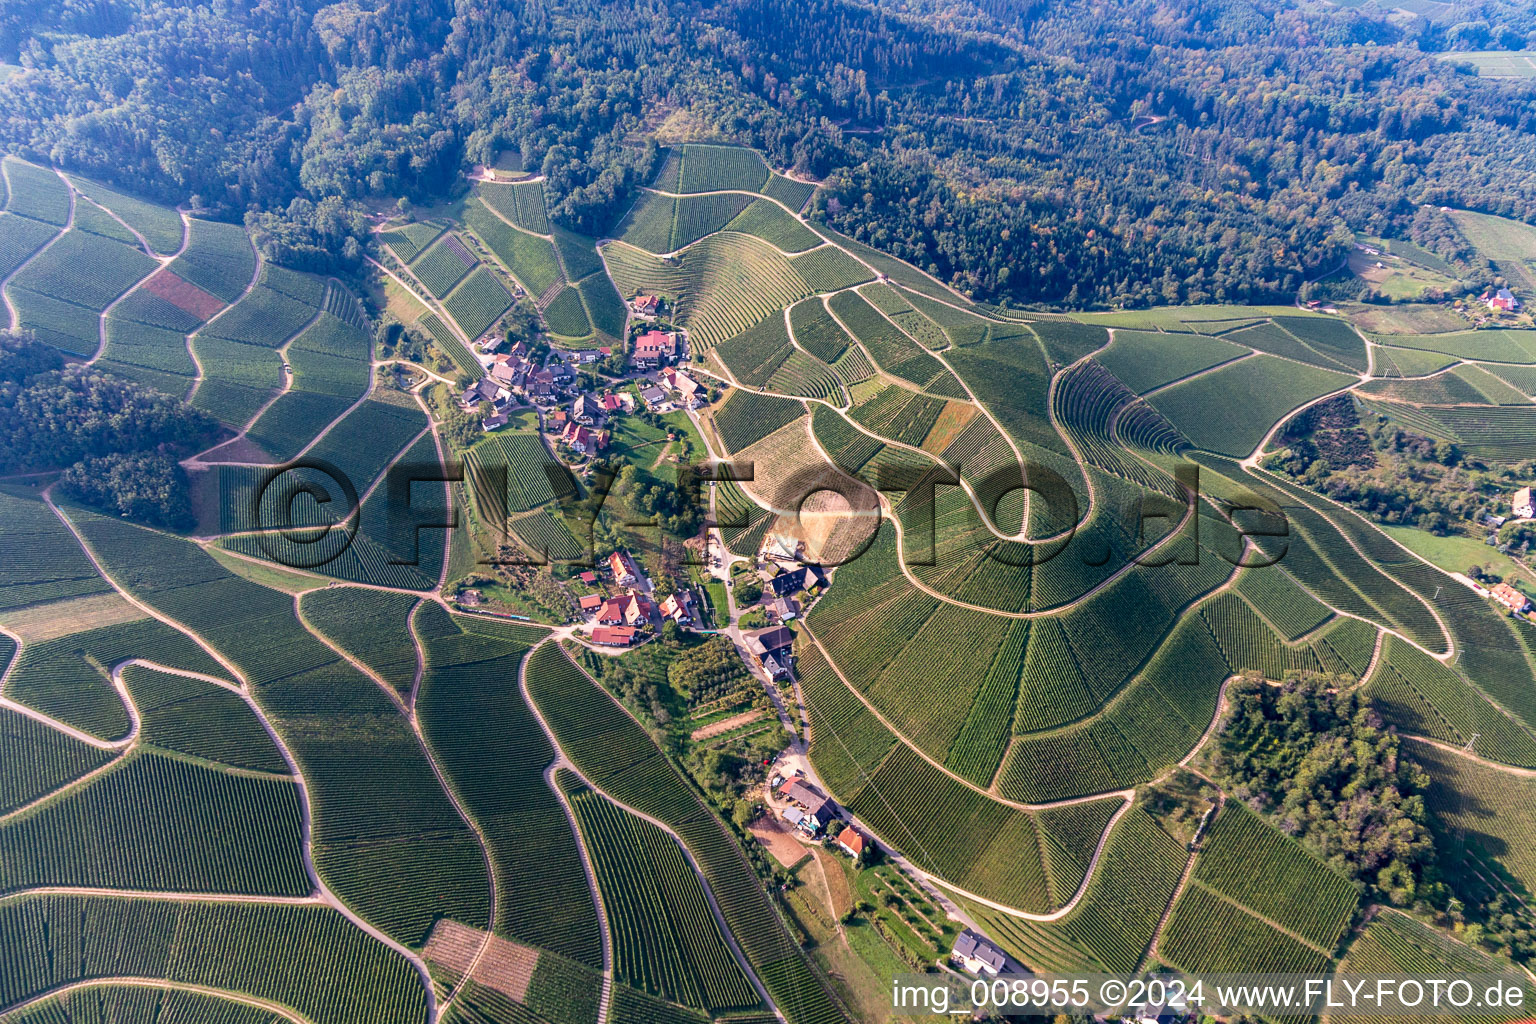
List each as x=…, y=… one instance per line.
x=819, y=810
x=978, y=956
x=654, y=348
x=772, y=648
x=591, y=602
x=613, y=636
x=787, y=584
x=1525, y=506
x=689, y=391
x=624, y=570
x=587, y=576
x=799, y=791
x=1511, y=598
x=850, y=842
x=785, y=608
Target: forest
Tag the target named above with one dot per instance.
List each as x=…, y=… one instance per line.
x=116, y=440
x=1247, y=139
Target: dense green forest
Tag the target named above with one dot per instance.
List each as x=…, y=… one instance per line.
x=1026, y=151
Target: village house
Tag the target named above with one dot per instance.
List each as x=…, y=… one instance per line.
x=483, y=390
x=785, y=608
x=591, y=602
x=978, y=956
x=652, y=395
x=586, y=409
x=624, y=570
x=689, y=393
x=635, y=610
x=613, y=636
x=654, y=348
x=772, y=649
x=646, y=305
x=1511, y=598
x=611, y=613
x=495, y=421
x=1525, y=506
x=583, y=440
x=679, y=607
x=851, y=843
x=787, y=584
x=612, y=403
x=1502, y=300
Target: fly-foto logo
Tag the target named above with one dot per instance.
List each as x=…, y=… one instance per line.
x=308, y=513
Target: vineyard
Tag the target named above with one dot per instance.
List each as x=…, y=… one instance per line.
x=386, y=839
x=522, y=203
x=1118, y=917
x=153, y=823
x=218, y=259
x=711, y=168
x=289, y=955
x=1229, y=410
x=1145, y=360
x=1207, y=933
x=745, y=417
x=197, y=717
x=477, y=302
x=566, y=315
x=721, y=285
x=443, y=265
x=370, y=625
x=36, y=193
x=1396, y=944
x=614, y=753
x=666, y=941
x=66, y=677
x=892, y=350
x=1250, y=862
x=768, y=221
x=530, y=258
x=494, y=755
x=1480, y=813
x=528, y=466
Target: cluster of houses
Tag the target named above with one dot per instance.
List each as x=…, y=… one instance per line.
x=514, y=373
x=620, y=619
x=584, y=430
